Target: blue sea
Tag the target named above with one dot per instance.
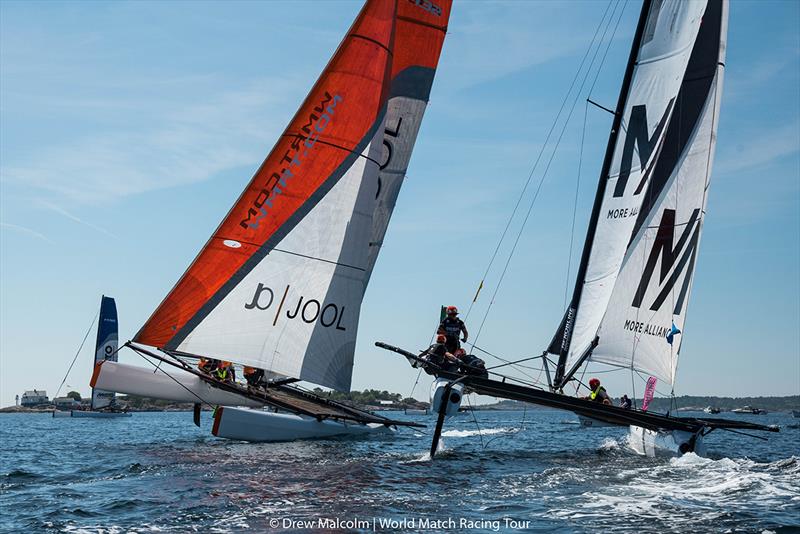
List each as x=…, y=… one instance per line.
x=533, y=471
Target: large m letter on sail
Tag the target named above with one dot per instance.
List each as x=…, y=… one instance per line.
x=663, y=248
x=636, y=136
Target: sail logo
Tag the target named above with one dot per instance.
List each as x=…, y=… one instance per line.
x=428, y=6
x=674, y=260
x=636, y=139
x=308, y=310
x=319, y=119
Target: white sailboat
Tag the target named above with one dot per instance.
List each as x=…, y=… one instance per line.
x=103, y=404
x=279, y=284
x=628, y=308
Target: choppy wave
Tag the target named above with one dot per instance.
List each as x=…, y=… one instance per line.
x=158, y=473
x=477, y=432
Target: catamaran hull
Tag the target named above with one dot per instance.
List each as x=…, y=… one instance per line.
x=88, y=414
x=438, y=389
x=261, y=426
x=177, y=386
x=100, y=415
x=588, y=422
x=664, y=443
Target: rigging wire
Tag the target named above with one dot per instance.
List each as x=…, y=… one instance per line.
x=158, y=368
x=539, y=157
x=550, y=161
x=77, y=353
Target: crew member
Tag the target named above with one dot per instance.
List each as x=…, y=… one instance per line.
x=438, y=355
x=225, y=372
x=208, y=365
x=597, y=392
x=253, y=375
x=625, y=402
x=452, y=327
x=471, y=364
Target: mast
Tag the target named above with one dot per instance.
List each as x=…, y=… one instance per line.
x=561, y=341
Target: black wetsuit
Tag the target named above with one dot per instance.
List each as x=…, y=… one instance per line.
x=451, y=327
x=254, y=379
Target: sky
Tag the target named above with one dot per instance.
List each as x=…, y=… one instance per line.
x=128, y=129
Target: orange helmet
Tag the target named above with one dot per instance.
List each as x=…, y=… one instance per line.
x=452, y=310
x=441, y=338
x=248, y=370
x=224, y=364
x=594, y=382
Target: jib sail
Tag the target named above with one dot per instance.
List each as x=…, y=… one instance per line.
x=419, y=36
x=105, y=347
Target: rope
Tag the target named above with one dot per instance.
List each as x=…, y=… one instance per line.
x=538, y=158
x=550, y=161
x=77, y=353
x=202, y=401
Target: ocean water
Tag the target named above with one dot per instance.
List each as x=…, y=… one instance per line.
x=534, y=471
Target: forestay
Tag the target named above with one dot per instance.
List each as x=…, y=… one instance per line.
x=652, y=290
x=105, y=347
x=280, y=282
x=668, y=30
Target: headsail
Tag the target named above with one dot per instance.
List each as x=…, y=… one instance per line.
x=651, y=294
x=279, y=283
x=664, y=40
x=105, y=347
x=419, y=36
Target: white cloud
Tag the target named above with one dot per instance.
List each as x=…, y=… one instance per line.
x=762, y=148
x=24, y=230
x=185, y=144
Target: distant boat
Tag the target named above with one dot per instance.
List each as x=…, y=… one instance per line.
x=415, y=411
x=103, y=404
x=750, y=410
x=711, y=409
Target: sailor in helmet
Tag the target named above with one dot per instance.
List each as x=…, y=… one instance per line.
x=597, y=392
x=452, y=327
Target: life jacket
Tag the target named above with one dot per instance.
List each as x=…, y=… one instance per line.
x=596, y=392
x=223, y=371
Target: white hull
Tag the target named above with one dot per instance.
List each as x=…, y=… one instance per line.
x=258, y=425
x=177, y=386
x=671, y=443
x=453, y=402
x=593, y=423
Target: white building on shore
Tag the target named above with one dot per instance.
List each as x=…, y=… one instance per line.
x=35, y=397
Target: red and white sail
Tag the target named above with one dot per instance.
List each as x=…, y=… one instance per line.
x=668, y=33
x=419, y=36
x=279, y=285
x=652, y=289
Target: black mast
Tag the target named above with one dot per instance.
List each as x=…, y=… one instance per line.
x=563, y=338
